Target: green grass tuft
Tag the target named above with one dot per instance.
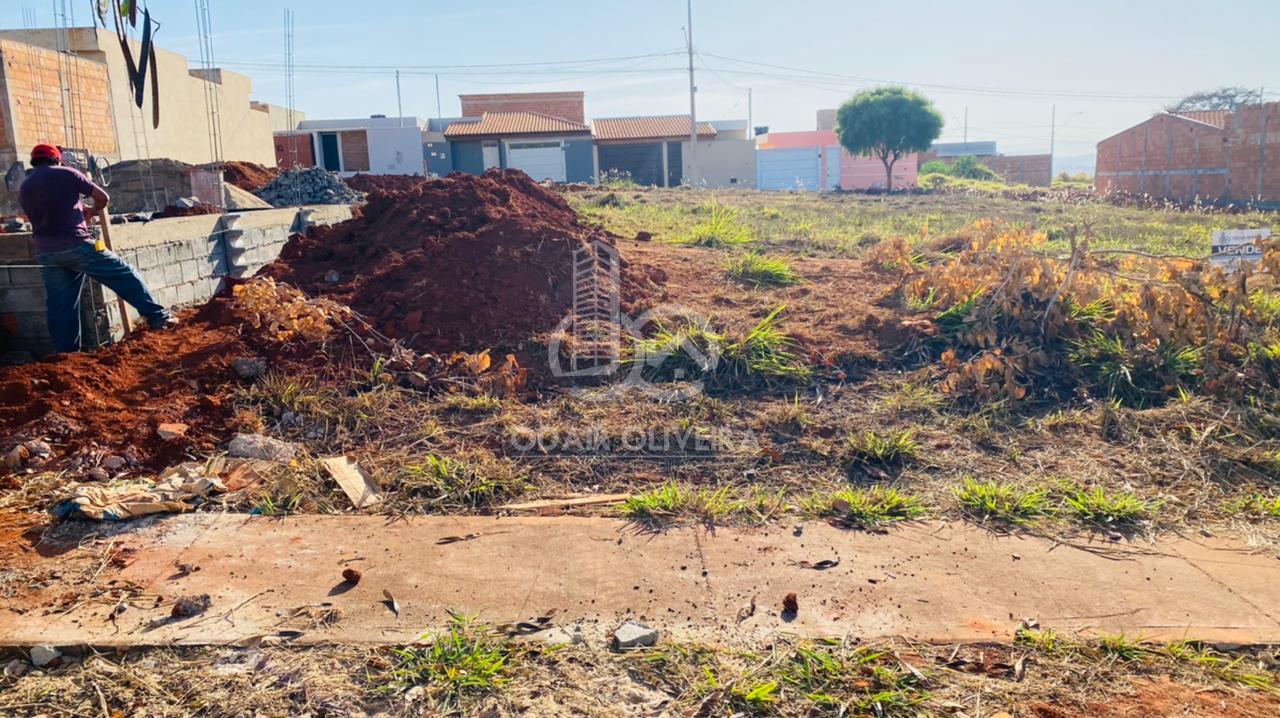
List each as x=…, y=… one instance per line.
x=1256, y=506
x=467, y=660
x=889, y=449
x=1002, y=502
x=721, y=228
x=1096, y=506
x=672, y=502
x=688, y=352
x=757, y=270
x=872, y=506
x=1122, y=647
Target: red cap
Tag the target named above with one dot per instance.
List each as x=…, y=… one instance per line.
x=46, y=152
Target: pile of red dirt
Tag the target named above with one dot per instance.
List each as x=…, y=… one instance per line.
x=384, y=183
x=248, y=176
x=194, y=210
x=460, y=263
x=118, y=396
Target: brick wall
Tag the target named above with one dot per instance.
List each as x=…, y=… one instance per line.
x=33, y=102
x=355, y=150
x=1180, y=159
x=565, y=105
x=1032, y=170
x=1254, y=163
x=302, y=143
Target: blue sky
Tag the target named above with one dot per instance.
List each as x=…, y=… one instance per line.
x=1104, y=64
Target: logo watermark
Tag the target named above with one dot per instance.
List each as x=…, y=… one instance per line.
x=605, y=351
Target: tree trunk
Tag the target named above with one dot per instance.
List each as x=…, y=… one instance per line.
x=888, y=174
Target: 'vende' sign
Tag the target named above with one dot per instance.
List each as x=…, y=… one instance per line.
x=1233, y=247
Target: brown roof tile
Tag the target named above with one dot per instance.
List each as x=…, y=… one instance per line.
x=513, y=123
x=1217, y=118
x=645, y=128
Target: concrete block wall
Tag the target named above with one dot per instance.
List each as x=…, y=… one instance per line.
x=183, y=261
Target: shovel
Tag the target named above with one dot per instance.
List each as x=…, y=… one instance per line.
x=104, y=242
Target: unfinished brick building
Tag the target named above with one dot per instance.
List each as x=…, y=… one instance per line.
x=1214, y=156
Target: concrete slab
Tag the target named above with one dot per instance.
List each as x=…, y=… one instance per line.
x=930, y=581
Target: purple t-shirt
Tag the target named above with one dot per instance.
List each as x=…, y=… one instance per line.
x=51, y=199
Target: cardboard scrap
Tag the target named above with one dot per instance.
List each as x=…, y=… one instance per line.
x=354, y=481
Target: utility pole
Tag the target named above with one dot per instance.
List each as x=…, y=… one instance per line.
x=693, y=106
x=966, y=123
x=751, y=130
x=399, y=105
x=1053, y=133
x=439, y=114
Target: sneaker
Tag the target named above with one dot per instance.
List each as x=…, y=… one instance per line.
x=167, y=323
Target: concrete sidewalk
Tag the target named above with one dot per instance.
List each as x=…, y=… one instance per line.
x=929, y=581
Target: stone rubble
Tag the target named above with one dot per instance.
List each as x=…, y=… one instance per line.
x=308, y=185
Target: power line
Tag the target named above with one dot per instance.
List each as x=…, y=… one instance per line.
x=516, y=66
x=973, y=89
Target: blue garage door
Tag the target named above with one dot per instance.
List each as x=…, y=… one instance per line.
x=798, y=169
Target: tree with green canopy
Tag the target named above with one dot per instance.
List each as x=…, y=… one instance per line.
x=887, y=123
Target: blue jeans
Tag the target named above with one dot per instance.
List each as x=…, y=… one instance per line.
x=64, y=274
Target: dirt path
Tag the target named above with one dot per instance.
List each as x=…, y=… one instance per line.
x=935, y=582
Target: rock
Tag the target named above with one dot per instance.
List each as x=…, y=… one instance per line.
x=114, y=463
x=790, y=604
x=257, y=446
x=643, y=236
x=15, y=668
x=16, y=457
x=332, y=276
x=632, y=635
x=169, y=432
x=559, y=636
x=188, y=606
x=351, y=576
x=43, y=655
x=249, y=367
x=186, y=202
x=38, y=448
x=308, y=185
x=97, y=473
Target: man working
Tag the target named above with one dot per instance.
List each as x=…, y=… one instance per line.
x=65, y=249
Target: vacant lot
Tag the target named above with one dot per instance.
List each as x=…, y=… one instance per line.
x=854, y=359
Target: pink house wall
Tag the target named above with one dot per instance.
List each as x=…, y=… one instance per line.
x=855, y=172
x=868, y=172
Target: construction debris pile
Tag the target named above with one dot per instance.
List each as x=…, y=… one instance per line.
x=454, y=264
x=448, y=266
x=308, y=185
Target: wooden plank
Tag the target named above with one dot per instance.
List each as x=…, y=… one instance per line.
x=353, y=480
x=589, y=500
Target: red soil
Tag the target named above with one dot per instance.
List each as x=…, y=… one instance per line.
x=247, y=175
x=450, y=264
x=119, y=395
x=384, y=183
x=1162, y=698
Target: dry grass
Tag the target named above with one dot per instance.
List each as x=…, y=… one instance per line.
x=783, y=677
